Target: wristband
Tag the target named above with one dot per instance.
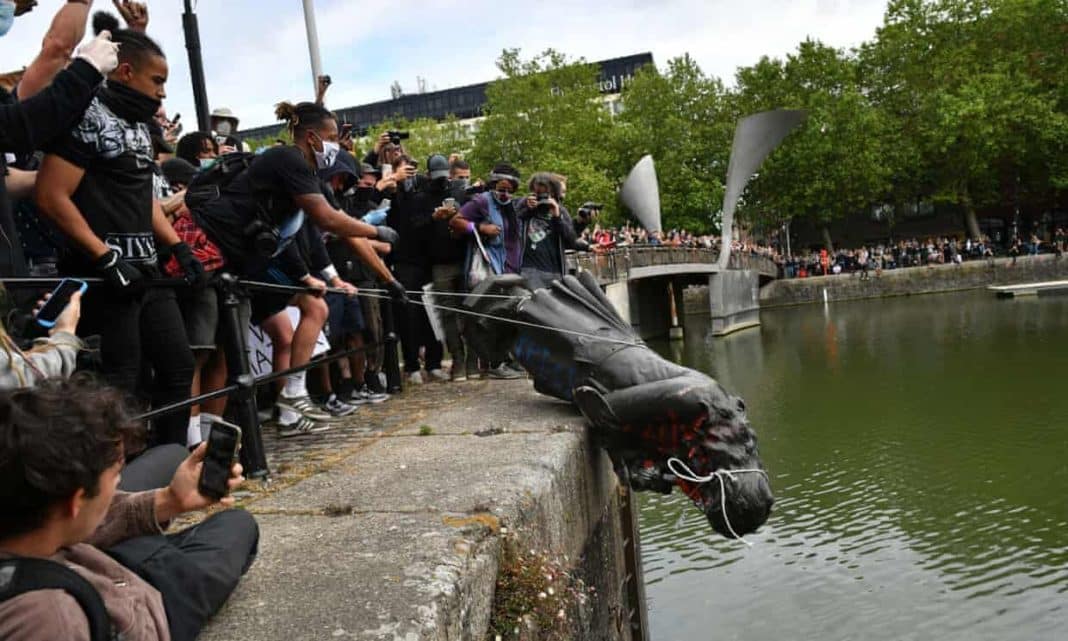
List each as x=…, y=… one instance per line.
x=330, y=272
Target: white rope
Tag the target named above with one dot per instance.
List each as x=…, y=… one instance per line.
x=437, y=293
x=458, y=310
x=686, y=474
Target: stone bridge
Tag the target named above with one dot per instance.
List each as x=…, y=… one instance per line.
x=642, y=282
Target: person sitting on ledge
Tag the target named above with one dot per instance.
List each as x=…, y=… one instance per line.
x=62, y=448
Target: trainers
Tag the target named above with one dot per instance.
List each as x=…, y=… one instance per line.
x=503, y=372
x=301, y=427
x=304, y=406
x=337, y=407
x=438, y=375
x=345, y=388
x=364, y=395
x=458, y=372
x=375, y=381
x=415, y=378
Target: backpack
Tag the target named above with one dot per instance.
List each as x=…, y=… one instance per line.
x=209, y=184
x=21, y=575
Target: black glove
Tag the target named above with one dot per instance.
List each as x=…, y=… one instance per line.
x=191, y=267
x=396, y=291
x=120, y=275
x=387, y=234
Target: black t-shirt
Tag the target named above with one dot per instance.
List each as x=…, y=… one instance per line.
x=411, y=215
x=344, y=259
x=541, y=249
x=115, y=195
x=270, y=184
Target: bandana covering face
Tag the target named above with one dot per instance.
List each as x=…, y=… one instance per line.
x=129, y=104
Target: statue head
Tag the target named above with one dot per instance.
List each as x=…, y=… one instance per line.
x=735, y=502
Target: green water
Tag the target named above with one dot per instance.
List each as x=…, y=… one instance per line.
x=918, y=449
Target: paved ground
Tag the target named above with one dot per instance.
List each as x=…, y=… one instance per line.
x=388, y=526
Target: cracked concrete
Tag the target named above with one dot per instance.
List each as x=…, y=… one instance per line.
x=398, y=537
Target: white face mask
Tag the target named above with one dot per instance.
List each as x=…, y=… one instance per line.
x=224, y=128
x=326, y=158
x=206, y=162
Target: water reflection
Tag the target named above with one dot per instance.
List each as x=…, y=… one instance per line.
x=919, y=453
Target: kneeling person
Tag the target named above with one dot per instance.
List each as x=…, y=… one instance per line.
x=62, y=447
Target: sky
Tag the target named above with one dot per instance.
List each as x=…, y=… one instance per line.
x=256, y=51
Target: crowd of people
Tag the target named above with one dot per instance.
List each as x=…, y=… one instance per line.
x=168, y=230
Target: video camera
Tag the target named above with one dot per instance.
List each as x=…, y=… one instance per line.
x=396, y=136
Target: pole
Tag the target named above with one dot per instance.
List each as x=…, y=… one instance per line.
x=196, y=66
x=313, y=44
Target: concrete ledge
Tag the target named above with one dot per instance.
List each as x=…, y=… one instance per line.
x=402, y=540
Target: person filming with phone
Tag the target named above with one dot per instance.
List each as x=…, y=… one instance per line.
x=81, y=560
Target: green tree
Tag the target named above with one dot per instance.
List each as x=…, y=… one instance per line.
x=683, y=118
x=546, y=114
x=835, y=164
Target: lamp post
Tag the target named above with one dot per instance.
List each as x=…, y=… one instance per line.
x=196, y=66
x=313, y=44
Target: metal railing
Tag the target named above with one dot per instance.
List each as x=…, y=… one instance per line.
x=616, y=265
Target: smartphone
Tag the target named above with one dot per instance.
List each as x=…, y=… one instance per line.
x=449, y=203
x=346, y=130
x=387, y=170
x=224, y=440
x=59, y=300
x=177, y=117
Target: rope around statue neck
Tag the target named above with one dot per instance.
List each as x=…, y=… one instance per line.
x=682, y=471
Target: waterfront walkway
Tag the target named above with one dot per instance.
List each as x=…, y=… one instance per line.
x=390, y=525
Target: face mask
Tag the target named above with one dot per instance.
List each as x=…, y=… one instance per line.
x=461, y=183
x=206, y=162
x=326, y=158
x=128, y=103
x=502, y=198
x=7, y=15
x=225, y=128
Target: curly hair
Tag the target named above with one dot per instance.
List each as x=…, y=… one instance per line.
x=303, y=116
x=56, y=439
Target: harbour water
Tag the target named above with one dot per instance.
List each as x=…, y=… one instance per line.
x=918, y=448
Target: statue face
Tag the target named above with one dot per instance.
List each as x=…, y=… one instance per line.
x=724, y=442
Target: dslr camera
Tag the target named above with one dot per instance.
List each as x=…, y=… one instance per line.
x=396, y=136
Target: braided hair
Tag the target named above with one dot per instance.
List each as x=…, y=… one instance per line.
x=303, y=116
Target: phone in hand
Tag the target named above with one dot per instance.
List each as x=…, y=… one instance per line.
x=449, y=203
x=224, y=440
x=387, y=170
x=346, y=130
x=59, y=300
x=177, y=117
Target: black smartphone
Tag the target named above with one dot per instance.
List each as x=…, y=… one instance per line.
x=59, y=300
x=177, y=117
x=224, y=439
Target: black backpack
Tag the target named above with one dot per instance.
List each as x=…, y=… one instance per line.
x=209, y=184
x=21, y=575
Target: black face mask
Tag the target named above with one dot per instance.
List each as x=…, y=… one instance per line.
x=129, y=104
x=441, y=184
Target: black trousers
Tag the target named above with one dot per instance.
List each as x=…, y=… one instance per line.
x=195, y=570
x=152, y=469
x=146, y=328
x=412, y=324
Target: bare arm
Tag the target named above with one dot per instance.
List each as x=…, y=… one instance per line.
x=67, y=30
x=162, y=227
x=331, y=220
x=20, y=183
x=365, y=251
x=58, y=180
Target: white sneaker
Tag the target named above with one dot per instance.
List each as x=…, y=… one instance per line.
x=415, y=378
x=304, y=406
x=438, y=375
x=301, y=427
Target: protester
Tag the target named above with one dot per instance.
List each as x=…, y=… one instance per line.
x=547, y=232
x=411, y=214
x=447, y=252
x=50, y=357
x=62, y=447
x=492, y=215
x=96, y=186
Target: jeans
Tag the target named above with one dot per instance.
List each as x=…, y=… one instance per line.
x=450, y=278
x=144, y=328
x=194, y=570
x=412, y=324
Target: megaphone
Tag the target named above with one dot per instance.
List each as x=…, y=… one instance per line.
x=641, y=194
x=755, y=137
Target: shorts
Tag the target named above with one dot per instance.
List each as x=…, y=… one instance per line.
x=346, y=318
x=266, y=304
x=200, y=312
